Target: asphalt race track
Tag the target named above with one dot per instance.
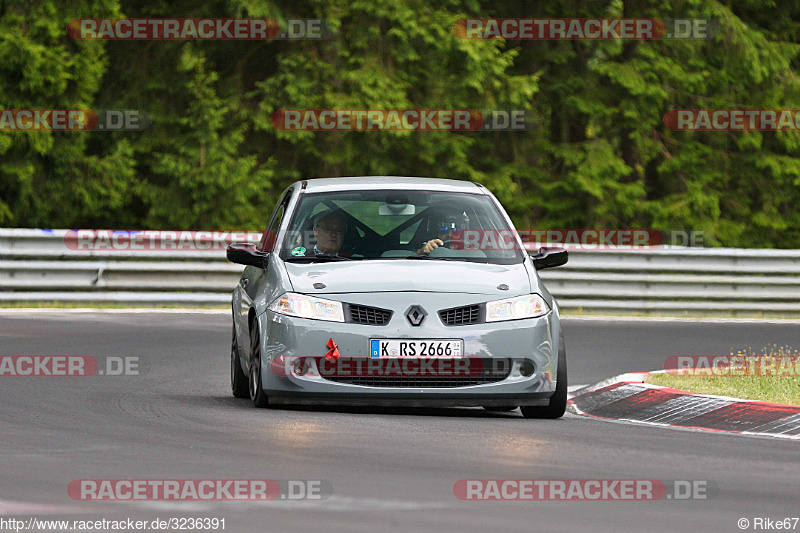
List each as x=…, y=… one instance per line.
x=390, y=469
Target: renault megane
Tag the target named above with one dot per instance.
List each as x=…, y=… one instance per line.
x=396, y=291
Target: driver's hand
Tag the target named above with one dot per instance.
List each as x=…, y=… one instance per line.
x=430, y=246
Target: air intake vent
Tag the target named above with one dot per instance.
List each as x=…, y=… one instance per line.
x=460, y=316
x=361, y=314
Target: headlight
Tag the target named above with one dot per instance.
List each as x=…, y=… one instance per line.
x=529, y=306
x=303, y=306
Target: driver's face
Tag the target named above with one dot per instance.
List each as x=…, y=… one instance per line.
x=444, y=235
x=447, y=227
x=329, y=233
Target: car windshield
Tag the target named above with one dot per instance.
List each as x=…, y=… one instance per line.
x=389, y=225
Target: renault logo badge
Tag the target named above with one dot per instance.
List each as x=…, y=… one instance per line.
x=415, y=315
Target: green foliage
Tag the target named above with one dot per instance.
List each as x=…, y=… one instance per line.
x=597, y=156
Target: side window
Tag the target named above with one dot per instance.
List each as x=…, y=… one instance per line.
x=271, y=235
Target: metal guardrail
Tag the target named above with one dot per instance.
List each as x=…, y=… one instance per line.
x=37, y=266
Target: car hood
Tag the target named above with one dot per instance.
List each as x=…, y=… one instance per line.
x=409, y=275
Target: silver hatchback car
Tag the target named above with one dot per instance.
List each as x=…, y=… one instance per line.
x=396, y=291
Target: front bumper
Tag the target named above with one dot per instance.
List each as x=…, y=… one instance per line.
x=532, y=340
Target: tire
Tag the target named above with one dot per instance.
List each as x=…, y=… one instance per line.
x=500, y=409
x=256, y=393
x=558, y=401
x=239, y=386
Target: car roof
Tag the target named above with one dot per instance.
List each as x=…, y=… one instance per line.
x=363, y=183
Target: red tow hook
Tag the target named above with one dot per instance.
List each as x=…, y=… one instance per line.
x=333, y=353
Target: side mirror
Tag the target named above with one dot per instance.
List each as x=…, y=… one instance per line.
x=245, y=253
x=549, y=258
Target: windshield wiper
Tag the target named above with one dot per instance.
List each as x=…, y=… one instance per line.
x=322, y=258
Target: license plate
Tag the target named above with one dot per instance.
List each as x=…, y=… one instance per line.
x=416, y=348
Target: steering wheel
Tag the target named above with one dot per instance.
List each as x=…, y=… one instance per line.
x=445, y=244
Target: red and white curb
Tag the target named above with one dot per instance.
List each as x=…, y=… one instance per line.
x=627, y=398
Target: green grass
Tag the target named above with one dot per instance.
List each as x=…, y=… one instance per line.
x=775, y=389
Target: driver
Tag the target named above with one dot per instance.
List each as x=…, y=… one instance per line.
x=443, y=222
x=329, y=230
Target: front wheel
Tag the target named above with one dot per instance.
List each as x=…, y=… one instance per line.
x=558, y=401
x=257, y=394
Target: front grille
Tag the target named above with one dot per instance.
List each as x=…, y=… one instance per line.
x=494, y=370
x=460, y=316
x=361, y=314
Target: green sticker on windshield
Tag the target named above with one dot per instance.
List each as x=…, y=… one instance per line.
x=299, y=251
